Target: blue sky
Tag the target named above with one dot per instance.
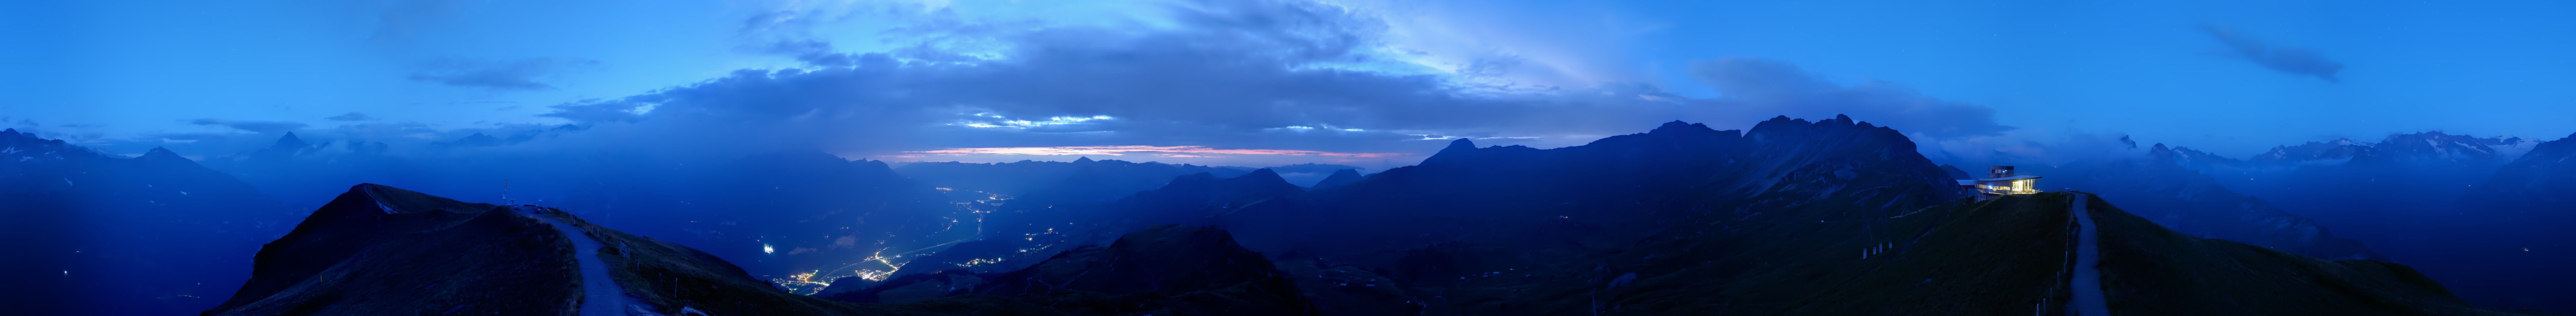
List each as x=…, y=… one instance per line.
x=1333, y=76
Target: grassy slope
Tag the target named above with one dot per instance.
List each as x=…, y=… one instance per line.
x=2001, y=256
x=1964, y=258
x=1777, y=256
x=2149, y=270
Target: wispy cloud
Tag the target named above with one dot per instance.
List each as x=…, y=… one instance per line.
x=1167, y=151
x=2285, y=59
x=506, y=75
x=1230, y=74
x=352, y=116
x=251, y=126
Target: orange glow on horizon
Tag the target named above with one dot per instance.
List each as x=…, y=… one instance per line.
x=1178, y=151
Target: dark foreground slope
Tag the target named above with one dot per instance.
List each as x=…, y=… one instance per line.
x=2149, y=270
x=1168, y=269
x=379, y=250
x=2004, y=256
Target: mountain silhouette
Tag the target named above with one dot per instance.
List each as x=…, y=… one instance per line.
x=91, y=233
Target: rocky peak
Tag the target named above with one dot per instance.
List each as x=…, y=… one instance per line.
x=2432, y=146
x=1264, y=176
x=290, y=142
x=1680, y=127
x=1462, y=144
x=161, y=154
x=13, y=136
x=1461, y=150
x=1338, y=178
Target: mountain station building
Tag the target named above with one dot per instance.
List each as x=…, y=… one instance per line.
x=2000, y=180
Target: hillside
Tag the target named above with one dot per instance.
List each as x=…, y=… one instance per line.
x=2009, y=255
x=1792, y=217
x=779, y=213
x=378, y=250
x=2459, y=208
x=2149, y=270
x=105, y=234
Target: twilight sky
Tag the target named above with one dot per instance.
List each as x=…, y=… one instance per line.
x=1361, y=82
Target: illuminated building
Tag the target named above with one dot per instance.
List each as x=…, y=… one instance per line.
x=2000, y=180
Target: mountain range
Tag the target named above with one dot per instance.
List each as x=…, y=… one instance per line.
x=1830, y=217
x=2473, y=211
x=2163, y=188
x=97, y=233
x=1780, y=218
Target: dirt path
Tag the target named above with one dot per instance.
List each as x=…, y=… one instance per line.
x=2088, y=252
x=601, y=296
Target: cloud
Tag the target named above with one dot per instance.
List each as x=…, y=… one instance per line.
x=504, y=75
x=409, y=137
x=2285, y=59
x=2030, y=147
x=810, y=51
x=1168, y=151
x=352, y=116
x=1273, y=75
x=629, y=109
x=251, y=126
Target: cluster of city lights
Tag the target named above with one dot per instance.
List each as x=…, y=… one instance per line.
x=880, y=265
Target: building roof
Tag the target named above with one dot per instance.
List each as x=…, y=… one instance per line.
x=2019, y=177
x=1967, y=182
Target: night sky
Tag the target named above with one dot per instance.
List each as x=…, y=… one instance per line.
x=1371, y=83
